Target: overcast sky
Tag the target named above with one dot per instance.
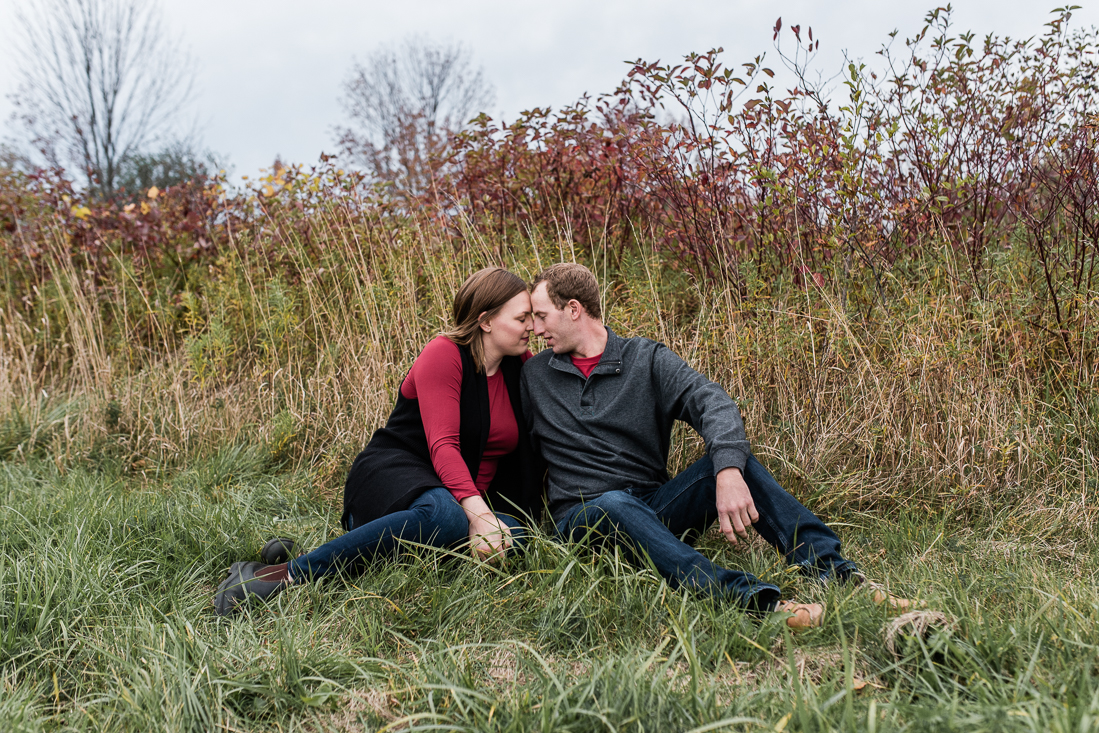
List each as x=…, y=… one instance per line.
x=268, y=74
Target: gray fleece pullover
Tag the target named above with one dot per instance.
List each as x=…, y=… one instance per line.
x=612, y=431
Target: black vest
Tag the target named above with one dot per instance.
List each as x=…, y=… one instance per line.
x=395, y=467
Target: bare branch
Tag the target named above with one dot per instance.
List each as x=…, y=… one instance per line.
x=100, y=80
x=404, y=103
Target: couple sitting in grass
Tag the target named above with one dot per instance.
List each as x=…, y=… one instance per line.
x=479, y=423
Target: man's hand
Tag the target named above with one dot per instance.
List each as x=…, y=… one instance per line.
x=735, y=508
x=489, y=538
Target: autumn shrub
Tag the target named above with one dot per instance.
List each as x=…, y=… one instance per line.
x=981, y=145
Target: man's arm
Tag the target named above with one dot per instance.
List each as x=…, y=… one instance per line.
x=689, y=396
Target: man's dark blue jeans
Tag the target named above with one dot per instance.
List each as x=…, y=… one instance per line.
x=653, y=522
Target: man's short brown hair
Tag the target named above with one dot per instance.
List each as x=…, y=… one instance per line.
x=568, y=281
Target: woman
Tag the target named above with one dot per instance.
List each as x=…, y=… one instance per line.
x=453, y=461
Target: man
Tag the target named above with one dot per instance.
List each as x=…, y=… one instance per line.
x=600, y=409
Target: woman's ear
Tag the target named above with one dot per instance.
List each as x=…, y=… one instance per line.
x=485, y=325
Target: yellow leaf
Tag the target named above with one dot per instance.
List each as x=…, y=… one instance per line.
x=268, y=191
x=154, y=192
x=128, y=208
x=858, y=684
x=781, y=725
x=145, y=209
x=80, y=211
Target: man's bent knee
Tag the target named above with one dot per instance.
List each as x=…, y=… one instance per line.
x=604, y=517
x=617, y=506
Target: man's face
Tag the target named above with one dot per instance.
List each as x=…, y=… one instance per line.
x=553, y=324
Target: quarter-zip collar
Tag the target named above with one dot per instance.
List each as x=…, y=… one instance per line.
x=610, y=363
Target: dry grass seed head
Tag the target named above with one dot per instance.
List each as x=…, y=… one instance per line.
x=918, y=624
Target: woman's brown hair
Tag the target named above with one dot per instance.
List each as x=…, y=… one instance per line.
x=484, y=292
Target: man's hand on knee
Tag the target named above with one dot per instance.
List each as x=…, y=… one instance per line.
x=735, y=508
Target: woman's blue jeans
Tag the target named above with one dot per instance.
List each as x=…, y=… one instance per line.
x=434, y=519
x=653, y=522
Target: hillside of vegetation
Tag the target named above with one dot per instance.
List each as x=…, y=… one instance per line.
x=900, y=291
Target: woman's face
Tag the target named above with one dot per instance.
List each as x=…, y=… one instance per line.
x=508, y=331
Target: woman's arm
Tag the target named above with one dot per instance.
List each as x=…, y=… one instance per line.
x=436, y=383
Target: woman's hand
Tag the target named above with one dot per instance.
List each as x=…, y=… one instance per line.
x=489, y=538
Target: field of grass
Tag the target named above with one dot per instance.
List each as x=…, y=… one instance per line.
x=108, y=625
x=155, y=427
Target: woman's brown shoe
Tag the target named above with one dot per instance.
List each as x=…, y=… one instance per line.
x=241, y=586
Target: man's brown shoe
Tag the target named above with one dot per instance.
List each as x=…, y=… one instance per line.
x=880, y=596
x=802, y=615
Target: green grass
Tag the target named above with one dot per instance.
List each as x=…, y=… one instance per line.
x=106, y=624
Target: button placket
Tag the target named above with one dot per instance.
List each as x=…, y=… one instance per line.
x=587, y=398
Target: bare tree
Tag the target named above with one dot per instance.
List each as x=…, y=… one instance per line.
x=404, y=102
x=13, y=159
x=100, y=80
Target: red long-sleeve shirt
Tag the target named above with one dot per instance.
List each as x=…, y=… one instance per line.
x=435, y=380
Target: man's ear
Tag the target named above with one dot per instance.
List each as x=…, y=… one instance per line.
x=575, y=309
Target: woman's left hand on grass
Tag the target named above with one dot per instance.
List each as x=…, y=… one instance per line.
x=489, y=538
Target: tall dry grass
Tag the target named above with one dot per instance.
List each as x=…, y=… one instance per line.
x=938, y=400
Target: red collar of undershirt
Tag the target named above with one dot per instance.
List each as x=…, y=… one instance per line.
x=586, y=364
